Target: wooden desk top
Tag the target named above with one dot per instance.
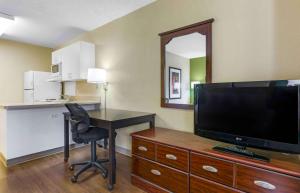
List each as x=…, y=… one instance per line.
x=283, y=163
x=116, y=114
x=111, y=115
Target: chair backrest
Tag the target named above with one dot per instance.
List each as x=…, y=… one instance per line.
x=78, y=115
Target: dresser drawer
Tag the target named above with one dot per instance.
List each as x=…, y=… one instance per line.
x=170, y=179
x=201, y=185
x=174, y=157
x=143, y=148
x=146, y=185
x=256, y=180
x=212, y=168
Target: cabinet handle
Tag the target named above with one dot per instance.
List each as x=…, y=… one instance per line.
x=265, y=185
x=156, y=172
x=142, y=148
x=170, y=156
x=210, y=169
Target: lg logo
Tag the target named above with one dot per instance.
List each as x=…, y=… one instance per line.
x=238, y=139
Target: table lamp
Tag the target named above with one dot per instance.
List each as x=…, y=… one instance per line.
x=98, y=76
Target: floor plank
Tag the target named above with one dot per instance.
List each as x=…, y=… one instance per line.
x=51, y=175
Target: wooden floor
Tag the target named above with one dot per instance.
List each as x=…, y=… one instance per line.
x=51, y=175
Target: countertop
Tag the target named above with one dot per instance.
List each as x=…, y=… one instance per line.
x=10, y=106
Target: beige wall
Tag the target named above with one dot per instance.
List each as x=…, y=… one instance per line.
x=252, y=40
x=15, y=59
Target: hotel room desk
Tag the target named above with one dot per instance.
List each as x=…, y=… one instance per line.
x=111, y=119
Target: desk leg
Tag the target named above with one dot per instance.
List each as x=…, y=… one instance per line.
x=152, y=122
x=112, y=160
x=66, y=138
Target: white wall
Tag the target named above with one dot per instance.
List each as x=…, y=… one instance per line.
x=15, y=59
x=173, y=60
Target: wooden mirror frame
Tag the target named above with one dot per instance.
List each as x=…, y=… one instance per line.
x=204, y=28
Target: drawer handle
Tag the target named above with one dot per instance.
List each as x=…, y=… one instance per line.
x=142, y=148
x=265, y=185
x=210, y=169
x=170, y=156
x=156, y=172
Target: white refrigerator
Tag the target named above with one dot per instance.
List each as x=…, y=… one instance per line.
x=38, y=89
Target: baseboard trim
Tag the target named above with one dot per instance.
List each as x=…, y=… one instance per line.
x=123, y=151
x=23, y=159
x=26, y=158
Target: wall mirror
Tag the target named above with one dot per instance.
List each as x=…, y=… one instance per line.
x=186, y=55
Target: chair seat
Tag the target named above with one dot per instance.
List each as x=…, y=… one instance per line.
x=93, y=134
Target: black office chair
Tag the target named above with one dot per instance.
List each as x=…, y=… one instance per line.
x=83, y=132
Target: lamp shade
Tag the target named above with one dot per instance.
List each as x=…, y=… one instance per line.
x=96, y=75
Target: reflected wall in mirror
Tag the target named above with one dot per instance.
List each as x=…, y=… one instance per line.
x=186, y=54
x=185, y=61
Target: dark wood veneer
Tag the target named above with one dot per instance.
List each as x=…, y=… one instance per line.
x=209, y=171
x=224, y=175
x=182, y=157
x=283, y=163
x=171, y=179
x=149, y=152
x=201, y=185
x=247, y=175
x=145, y=185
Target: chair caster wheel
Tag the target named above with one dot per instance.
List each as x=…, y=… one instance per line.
x=104, y=175
x=71, y=168
x=74, y=179
x=110, y=187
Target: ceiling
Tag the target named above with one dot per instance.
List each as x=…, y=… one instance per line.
x=50, y=23
x=188, y=46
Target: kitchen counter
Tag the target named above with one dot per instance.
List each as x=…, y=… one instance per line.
x=10, y=106
x=28, y=131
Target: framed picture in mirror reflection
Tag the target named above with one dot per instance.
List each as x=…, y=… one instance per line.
x=174, y=83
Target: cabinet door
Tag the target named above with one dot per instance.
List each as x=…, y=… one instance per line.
x=37, y=130
x=87, y=58
x=56, y=57
x=71, y=63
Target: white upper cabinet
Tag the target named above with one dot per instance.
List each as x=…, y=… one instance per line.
x=87, y=58
x=75, y=60
x=57, y=57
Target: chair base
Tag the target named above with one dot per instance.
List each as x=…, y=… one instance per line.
x=89, y=164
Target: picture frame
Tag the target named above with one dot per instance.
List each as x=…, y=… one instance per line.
x=174, y=83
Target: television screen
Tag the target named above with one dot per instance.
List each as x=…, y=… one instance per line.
x=258, y=113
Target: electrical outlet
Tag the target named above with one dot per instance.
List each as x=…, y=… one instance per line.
x=54, y=116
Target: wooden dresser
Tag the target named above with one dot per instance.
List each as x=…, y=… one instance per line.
x=166, y=160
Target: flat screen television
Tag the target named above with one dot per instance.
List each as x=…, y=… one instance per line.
x=261, y=114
